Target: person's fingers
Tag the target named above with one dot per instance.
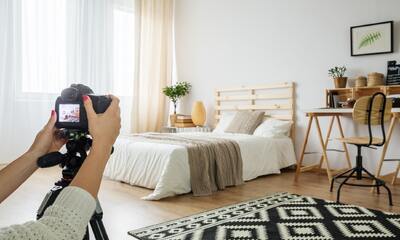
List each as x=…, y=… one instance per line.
x=118, y=112
x=52, y=121
x=87, y=102
x=57, y=145
x=114, y=104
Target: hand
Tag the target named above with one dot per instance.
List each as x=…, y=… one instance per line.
x=104, y=128
x=47, y=140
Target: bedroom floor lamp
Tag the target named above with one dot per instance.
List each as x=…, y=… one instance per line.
x=198, y=113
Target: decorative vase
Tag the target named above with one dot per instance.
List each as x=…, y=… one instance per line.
x=340, y=82
x=198, y=113
x=172, y=120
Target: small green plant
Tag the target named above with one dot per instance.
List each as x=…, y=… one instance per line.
x=369, y=39
x=176, y=91
x=337, y=72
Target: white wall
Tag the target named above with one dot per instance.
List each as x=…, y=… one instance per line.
x=222, y=43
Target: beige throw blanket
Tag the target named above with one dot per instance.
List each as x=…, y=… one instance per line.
x=214, y=163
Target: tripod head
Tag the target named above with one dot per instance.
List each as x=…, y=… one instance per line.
x=78, y=144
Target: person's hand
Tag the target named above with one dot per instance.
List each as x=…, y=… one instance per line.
x=48, y=139
x=104, y=128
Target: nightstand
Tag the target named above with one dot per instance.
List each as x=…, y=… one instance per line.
x=167, y=129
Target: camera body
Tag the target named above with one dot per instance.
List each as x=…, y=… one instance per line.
x=71, y=113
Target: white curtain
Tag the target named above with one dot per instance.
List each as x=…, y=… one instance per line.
x=155, y=67
x=45, y=45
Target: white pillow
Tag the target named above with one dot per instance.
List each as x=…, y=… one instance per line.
x=224, y=121
x=273, y=128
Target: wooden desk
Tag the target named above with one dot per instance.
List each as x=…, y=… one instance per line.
x=334, y=114
x=395, y=119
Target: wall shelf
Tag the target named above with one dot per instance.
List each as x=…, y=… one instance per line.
x=357, y=92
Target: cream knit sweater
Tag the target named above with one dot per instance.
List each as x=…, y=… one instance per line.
x=66, y=219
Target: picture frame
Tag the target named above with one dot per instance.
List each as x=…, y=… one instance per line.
x=370, y=39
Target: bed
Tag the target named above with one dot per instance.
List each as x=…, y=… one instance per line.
x=165, y=167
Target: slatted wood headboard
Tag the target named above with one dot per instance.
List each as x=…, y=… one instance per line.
x=277, y=100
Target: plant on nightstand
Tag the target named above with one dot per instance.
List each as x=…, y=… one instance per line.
x=337, y=73
x=174, y=93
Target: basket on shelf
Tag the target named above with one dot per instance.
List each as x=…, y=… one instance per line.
x=375, y=79
x=361, y=81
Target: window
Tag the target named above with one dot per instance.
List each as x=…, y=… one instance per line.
x=43, y=39
x=47, y=49
x=123, y=48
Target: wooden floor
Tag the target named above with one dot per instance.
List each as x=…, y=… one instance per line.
x=124, y=210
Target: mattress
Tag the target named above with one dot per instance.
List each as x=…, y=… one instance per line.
x=165, y=167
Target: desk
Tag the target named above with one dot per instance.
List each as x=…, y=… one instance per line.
x=334, y=114
x=393, y=121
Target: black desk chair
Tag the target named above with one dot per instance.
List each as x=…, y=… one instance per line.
x=369, y=110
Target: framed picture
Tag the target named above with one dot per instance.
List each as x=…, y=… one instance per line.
x=376, y=38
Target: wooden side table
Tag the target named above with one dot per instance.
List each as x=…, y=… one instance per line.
x=167, y=129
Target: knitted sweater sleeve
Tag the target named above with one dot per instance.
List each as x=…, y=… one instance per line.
x=66, y=219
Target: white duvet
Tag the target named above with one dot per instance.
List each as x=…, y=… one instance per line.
x=165, y=167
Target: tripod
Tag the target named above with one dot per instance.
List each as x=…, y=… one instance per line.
x=77, y=146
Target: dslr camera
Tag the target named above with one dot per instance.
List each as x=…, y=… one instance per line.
x=70, y=110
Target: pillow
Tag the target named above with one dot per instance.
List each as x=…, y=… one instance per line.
x=245, y=122
x=224, y=121
x=273, y=128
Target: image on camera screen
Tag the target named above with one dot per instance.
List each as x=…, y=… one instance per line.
x=69, y=113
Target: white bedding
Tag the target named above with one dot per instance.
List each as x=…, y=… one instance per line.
x=165, y=167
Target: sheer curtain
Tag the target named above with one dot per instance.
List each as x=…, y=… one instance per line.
x=155, y=65
x=45, y=45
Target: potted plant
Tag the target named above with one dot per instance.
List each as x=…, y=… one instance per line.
x=174, y=93
x=337, y=73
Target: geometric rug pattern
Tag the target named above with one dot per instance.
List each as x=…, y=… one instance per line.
x=279, y=216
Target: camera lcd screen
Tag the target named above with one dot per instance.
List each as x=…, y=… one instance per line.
x=69, y=113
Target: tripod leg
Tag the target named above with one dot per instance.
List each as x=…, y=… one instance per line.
x=96, y=223
x=48, y=200
x=86, y=237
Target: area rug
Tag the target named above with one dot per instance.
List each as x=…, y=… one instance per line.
x=279, y=216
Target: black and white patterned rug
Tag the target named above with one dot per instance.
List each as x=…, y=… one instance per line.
x=279, y=216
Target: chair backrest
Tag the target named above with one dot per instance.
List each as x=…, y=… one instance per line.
x=362, y=107
x=373, y=110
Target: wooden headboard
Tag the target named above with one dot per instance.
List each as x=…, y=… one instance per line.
x=277, y=100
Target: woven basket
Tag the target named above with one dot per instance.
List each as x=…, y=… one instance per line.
x=375, y=79
x=361, y=81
